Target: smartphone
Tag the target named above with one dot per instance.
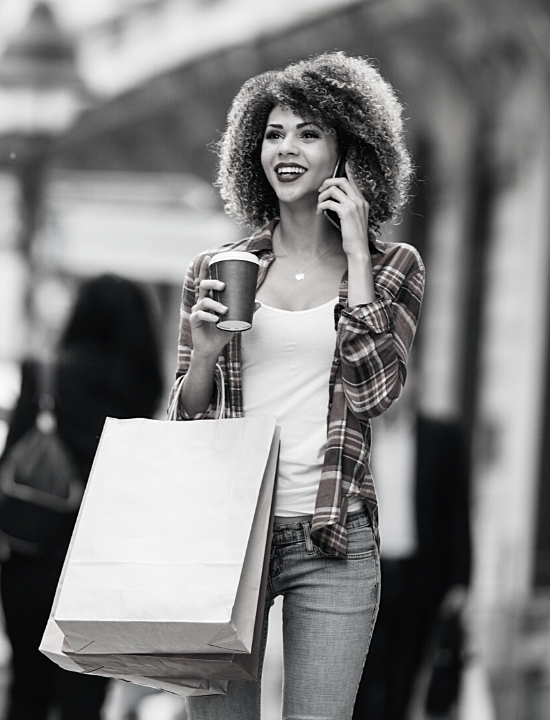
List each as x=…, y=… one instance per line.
x=339, y=171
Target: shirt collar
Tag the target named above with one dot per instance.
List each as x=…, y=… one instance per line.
x=376, y=242
x=263, y=239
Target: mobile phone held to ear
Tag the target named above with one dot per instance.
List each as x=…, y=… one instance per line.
x=339, y=171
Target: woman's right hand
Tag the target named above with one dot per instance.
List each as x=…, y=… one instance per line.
x=208, y=340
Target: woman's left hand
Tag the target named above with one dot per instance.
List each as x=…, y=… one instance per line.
x=343, y=196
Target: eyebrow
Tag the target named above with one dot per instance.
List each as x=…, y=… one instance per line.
x=298, y=127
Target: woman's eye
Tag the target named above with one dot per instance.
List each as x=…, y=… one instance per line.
x=308, y=134
x=272, y=135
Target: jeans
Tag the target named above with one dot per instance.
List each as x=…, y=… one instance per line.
x=329, y=609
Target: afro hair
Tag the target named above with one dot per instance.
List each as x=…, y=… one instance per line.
x=342, y=94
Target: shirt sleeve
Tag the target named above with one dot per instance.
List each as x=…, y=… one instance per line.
x=375, y=338
x=185, y=347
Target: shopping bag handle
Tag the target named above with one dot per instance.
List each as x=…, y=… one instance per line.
x=220, y=386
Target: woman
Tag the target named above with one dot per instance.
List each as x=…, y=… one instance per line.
x=108, y=364
x=338, y=314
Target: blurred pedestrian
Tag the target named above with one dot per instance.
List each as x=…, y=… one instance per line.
x=327, y=351
x=107, y=364
x=421, y=472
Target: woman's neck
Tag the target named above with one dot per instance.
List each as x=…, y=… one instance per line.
x=305, y=233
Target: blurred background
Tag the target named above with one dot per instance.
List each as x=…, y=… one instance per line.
x=108, y=111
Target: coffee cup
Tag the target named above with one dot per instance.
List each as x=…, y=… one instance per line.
x=239, y=272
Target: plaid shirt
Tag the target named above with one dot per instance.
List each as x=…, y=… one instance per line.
x=367, y=375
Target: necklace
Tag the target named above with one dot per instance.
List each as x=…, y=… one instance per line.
x=301, y=274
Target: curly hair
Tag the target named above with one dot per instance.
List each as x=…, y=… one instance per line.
x=341, y=94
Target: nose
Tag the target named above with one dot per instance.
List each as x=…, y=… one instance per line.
x=287, y=145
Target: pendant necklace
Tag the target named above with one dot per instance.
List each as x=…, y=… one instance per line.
x=300, y=274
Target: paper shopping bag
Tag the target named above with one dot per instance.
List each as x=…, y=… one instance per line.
x=53, y=641
x=161, y=559
x=219, y=666
x=51, y=647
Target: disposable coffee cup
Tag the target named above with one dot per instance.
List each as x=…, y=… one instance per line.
x=239, y=272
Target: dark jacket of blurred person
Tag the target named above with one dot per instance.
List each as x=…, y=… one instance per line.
x=425, y=567
x=107, y=365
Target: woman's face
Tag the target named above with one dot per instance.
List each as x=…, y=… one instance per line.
x=297, y=156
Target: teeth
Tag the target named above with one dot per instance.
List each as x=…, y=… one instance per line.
x=291, y=171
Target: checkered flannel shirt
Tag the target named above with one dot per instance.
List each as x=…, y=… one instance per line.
x=367, y=376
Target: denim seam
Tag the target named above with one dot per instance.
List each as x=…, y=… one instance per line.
x=375, y=614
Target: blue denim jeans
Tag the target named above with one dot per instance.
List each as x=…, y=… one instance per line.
x=329, y=610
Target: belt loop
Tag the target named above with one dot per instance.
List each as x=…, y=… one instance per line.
x=307, y=537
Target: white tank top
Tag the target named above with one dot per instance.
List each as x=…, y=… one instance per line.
x=286, y=363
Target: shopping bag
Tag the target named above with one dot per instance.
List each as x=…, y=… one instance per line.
x=220, y=666
x=53, y=641
x=51, y=647
x=161, y=559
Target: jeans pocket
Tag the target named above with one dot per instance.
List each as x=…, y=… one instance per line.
x=310, y=548
x=320, y=553
x=361, y=543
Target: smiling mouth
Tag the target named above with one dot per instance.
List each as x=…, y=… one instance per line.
x=289, y=173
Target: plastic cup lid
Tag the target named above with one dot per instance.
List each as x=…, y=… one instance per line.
x=234, y=255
